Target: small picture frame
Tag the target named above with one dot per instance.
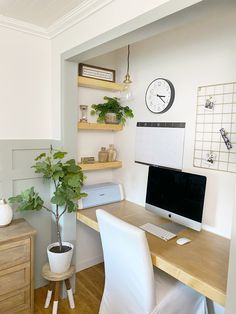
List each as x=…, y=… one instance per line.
x=96, y=72
x=210, y=159
x=209, y=104
x=87, y=160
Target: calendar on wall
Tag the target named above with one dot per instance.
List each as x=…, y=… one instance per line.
x=215, y=135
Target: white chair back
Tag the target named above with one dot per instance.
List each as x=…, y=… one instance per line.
x=129, y=278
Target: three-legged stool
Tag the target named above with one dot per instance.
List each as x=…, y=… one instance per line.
x=54, y=283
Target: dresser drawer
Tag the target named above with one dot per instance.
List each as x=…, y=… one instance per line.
x=14, y=253
x=14, y=278
x=15, y=302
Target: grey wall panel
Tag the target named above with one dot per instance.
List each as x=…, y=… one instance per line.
x=40, y=220
x=1, y=189
x=23, y=158
x=16, y=174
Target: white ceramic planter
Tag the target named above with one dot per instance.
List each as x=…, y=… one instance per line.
x=60, y=262
x=110, y=118
x=6, y=213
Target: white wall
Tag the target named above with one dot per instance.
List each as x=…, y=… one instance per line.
x=128, y=15
x=25, y=86
x=199, y=54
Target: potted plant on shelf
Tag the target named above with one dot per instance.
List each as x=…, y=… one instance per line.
x=112, y=111
x=67, y=179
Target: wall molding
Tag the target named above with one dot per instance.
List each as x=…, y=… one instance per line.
x=75, y=16
x=24, y=27
x=89, y=263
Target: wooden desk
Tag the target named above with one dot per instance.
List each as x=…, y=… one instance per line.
x=202, y=264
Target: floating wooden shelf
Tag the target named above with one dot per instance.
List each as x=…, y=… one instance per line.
x=98, y=84
x=101, y=165
x=99, y=126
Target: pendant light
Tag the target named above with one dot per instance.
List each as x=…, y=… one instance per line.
x=127, y=94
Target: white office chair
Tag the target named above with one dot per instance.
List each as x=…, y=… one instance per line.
x=130, y=284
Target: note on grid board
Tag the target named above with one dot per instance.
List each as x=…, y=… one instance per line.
x=160, y=143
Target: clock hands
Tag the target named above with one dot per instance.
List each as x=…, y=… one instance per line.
x=161, y=96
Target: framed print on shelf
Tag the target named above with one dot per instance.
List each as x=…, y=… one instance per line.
x=98, y=73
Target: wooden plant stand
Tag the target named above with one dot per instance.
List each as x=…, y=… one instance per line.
x=54, y=284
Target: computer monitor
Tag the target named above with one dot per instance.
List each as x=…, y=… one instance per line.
x=177, y=196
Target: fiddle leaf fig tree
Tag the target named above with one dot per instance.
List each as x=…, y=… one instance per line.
x=67, y=179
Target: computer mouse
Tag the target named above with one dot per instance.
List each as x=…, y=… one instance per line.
x=183, y=241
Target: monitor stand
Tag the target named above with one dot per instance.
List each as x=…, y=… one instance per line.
x=172, y=227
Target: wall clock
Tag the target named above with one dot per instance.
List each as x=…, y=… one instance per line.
x=160, y=95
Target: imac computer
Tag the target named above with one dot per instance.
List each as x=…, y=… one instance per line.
x=177, y=196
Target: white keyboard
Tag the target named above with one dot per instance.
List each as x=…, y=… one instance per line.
x=158, y=231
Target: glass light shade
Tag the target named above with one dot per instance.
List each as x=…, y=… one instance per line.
x=127, y=93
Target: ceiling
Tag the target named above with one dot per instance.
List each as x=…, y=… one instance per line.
x=42, y=13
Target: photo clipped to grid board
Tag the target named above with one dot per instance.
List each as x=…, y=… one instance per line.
x=215, y=135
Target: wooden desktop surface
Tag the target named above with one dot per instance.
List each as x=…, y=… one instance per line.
x=201, y=264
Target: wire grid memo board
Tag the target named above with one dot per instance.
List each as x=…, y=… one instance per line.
x=216, y=110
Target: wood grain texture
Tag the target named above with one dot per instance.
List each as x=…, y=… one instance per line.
x=88, y=294
x=99, y=126
x=101, y=165
x=15, y=301
x=16, y=267
x=99, y=84
x=47, y=274
x=32, y=273
x=14, y=253
x=202, y=264
x=14, y=278
x=18, y=228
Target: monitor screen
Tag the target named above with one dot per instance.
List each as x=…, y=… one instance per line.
x=178, y=193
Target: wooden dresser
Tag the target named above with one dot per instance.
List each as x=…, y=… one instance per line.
x=17, y=268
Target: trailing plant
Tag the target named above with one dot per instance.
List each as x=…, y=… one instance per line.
x=112, y=105
x=67, y=178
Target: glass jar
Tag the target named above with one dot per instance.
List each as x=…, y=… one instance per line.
x=103, y=155
x=112, y=153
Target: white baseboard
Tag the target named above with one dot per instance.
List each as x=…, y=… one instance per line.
x=89, y=263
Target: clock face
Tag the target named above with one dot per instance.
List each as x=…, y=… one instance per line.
x=160, y=95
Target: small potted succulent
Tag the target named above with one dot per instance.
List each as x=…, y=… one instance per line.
x=67, y=179
x=111, y=111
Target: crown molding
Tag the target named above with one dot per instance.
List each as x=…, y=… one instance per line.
x=24, y=27
x=81, y=12
x=78, y=14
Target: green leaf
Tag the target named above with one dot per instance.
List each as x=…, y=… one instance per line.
x=59, y=155
x=15, y=199
x=71, y=166
x=59, y=197
x=27, y=200
x=74, y=180
x=72, y=207
x=40, y=156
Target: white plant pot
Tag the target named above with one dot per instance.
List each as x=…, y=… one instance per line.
x=60, y=262
x=110, y=118
x=6, y=213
